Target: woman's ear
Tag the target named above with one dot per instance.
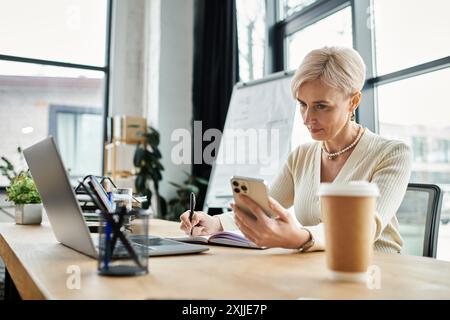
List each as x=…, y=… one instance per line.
x=356, y=100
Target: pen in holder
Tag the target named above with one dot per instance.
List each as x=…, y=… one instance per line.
x=123, y=251
x=123, y=248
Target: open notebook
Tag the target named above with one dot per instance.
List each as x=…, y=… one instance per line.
x=233, y=238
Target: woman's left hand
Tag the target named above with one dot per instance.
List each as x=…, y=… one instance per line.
x=284, y=231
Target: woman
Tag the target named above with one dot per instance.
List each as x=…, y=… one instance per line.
x=328, y=87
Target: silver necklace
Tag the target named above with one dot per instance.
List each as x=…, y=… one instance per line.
x=331, y=156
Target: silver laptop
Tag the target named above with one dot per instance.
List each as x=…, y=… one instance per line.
x=63, y=209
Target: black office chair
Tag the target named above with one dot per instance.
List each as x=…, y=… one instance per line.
x=419, y=217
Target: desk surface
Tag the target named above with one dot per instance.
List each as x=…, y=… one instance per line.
x=38, y=265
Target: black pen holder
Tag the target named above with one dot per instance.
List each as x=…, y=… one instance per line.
x=123, y=243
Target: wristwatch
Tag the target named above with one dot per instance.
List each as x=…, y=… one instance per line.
x=308, y=244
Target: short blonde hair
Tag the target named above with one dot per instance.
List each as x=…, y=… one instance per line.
x=339, y=67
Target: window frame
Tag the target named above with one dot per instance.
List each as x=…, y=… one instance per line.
x=55, y=109
x=363, y=42
x=105, y=69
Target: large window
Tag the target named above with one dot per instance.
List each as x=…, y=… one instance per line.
x=410, y=33
x=334, y=30
x=413, y=69
x=54, y=59
x=251, y=38
x=59, y=30
x=289, y=7
x=78, y=135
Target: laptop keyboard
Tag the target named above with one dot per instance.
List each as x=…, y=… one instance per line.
x=152, y=241
x=137, y=242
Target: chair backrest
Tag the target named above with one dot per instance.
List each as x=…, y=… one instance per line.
x=419, y=217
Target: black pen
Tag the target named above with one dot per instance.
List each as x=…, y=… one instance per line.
x=191, y=208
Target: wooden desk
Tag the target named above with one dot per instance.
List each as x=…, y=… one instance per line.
x=38, y=264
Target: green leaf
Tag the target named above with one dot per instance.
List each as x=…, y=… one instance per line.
x=147, y=204
x=156, y=175
x=140, y=183
x=138, y=157
x=186, y=173
x=176, y=185
x=23, y=190
x=149, y=195
x=160, y=166
x=9, y=165
x=157, y=153
x=149, y=157
x=192, y=188
x=201, y=181
x=153, y=139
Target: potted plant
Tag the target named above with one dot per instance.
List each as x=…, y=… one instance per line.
x=147, y=160
x=180, y=204
x=23, y=192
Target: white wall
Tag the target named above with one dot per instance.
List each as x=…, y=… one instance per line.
x=152, y=63
x=170, y=105
x=127, y=57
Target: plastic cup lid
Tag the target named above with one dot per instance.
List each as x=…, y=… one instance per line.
x=349, y=189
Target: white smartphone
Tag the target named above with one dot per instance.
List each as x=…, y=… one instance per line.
x=254, y=188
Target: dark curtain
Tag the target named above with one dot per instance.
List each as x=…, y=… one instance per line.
x=215, y=69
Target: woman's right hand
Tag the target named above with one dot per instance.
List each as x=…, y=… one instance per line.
x=202, y=224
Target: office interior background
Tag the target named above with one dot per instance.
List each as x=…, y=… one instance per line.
x=68, y=65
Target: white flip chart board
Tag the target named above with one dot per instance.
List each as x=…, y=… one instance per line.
x=257, y=136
